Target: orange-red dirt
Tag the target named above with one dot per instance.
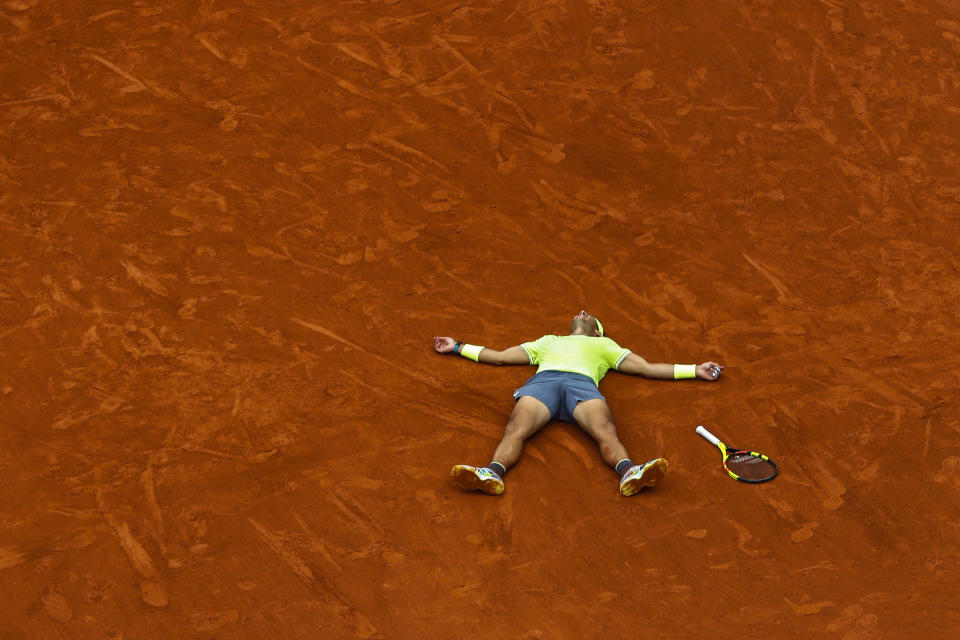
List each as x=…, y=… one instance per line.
x=229, y=230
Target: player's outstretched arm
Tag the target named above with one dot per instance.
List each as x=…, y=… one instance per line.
x=638, y=366
x=513, y=355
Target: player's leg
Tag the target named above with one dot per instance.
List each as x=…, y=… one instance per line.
x=594, y=417
x=529, y=416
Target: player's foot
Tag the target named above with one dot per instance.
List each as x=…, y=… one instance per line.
x=477, y=478
x=642, y=475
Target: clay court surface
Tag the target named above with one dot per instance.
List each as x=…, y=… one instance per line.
x=230, y=229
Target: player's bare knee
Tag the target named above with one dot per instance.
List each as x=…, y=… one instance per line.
x=607, y=431
x=514, y=429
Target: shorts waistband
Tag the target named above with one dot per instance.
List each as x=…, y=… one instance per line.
x=556, y=373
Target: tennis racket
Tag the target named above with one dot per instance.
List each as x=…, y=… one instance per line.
x=745, y=466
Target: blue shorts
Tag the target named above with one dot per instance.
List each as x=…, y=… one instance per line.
x=561, y=391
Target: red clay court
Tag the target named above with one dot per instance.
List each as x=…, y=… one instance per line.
x=229, y=230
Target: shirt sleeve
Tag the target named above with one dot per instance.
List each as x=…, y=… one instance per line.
x=535, y=349
x=615, y=354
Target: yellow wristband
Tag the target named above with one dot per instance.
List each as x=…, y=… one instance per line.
x=471, y=352
x=681, y=371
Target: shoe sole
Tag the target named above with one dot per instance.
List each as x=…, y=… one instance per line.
x=466, y=478
x=652, y=473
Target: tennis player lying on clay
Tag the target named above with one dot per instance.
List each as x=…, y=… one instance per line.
x=565, y=388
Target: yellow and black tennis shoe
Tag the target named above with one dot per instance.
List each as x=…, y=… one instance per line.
x=477, y=479
x=642, y=475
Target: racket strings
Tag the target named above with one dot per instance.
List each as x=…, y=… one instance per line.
x=749, y=466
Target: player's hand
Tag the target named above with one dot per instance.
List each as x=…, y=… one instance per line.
x=710, y=371
x=444, y=344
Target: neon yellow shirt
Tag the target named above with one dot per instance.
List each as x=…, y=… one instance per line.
x=588, y=355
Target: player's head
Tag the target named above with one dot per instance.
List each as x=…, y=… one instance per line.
x=586, y=324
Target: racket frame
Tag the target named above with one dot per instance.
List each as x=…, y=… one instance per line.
x=726, y=451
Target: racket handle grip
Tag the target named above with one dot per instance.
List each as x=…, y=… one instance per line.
x=712, y=439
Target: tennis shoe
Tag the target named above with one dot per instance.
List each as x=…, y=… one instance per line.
x=642, y=475
x=477, y=479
